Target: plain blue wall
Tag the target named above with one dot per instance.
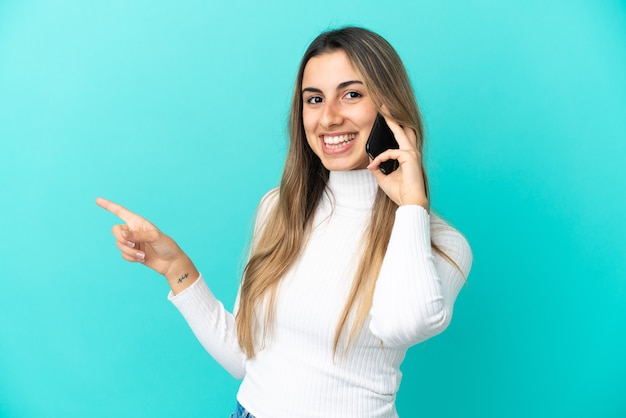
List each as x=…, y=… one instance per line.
x=178, y=111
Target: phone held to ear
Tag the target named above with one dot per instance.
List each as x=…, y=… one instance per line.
x=380, y=140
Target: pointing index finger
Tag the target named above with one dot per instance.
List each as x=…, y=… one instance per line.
x=117, y=210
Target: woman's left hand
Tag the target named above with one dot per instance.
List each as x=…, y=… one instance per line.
x=405, y=185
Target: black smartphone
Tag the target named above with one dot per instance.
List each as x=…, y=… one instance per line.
x=381, y=139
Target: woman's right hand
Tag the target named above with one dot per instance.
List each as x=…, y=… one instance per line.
x=142, y=242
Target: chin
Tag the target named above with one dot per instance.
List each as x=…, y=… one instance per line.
x=337, y=166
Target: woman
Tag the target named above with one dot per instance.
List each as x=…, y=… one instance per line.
x=347, y=268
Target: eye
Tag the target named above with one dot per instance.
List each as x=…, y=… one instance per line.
x=353, y=95
x=313, y=100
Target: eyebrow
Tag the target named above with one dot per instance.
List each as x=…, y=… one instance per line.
x=341, y=86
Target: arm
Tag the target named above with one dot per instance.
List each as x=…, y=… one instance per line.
x=417, y=286
x=213, y=326
x=211, y=323
x=141, y=242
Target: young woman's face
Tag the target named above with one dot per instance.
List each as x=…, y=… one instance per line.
x=337, y=111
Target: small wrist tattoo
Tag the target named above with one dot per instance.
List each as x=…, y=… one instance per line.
x=183, y=277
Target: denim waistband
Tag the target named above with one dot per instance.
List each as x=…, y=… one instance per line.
x=241, y=412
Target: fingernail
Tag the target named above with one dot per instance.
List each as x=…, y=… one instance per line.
x=130, y=244
x=126, y=234
x=141, y=257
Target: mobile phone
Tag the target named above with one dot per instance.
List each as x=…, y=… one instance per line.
x=381, y=139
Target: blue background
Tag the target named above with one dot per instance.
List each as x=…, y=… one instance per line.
x=178, y=111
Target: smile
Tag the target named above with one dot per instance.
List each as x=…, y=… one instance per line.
x=338, y=141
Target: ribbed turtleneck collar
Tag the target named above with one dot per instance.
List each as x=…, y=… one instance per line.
x=355, y=189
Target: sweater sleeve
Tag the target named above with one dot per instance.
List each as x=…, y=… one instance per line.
x=211, y=323
x=417, y=286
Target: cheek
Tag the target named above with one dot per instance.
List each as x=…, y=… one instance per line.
x=309, y=123
x=367, y=118
x=308, y=120
x=310, y=139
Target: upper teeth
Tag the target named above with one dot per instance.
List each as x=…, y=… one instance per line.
x=338, y=139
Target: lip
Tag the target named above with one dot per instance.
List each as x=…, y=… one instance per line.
x=335, y=149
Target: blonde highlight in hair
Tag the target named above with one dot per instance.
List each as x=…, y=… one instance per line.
x=286, y=227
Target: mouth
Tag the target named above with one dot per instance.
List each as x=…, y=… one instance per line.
x=334, y=142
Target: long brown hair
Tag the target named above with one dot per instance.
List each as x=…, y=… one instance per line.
x=287, y=225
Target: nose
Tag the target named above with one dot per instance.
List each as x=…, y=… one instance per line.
x=331, y=115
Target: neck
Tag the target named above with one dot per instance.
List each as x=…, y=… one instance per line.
x=354, y=188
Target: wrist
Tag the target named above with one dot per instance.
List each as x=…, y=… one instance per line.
x=181, y=274
x=422, y=204
x=416, y=201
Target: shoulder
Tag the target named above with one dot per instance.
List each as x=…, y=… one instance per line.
x=444, y=234
x=451, y=242
x=267, y=203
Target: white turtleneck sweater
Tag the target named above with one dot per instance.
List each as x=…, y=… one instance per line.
x=295, y=373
